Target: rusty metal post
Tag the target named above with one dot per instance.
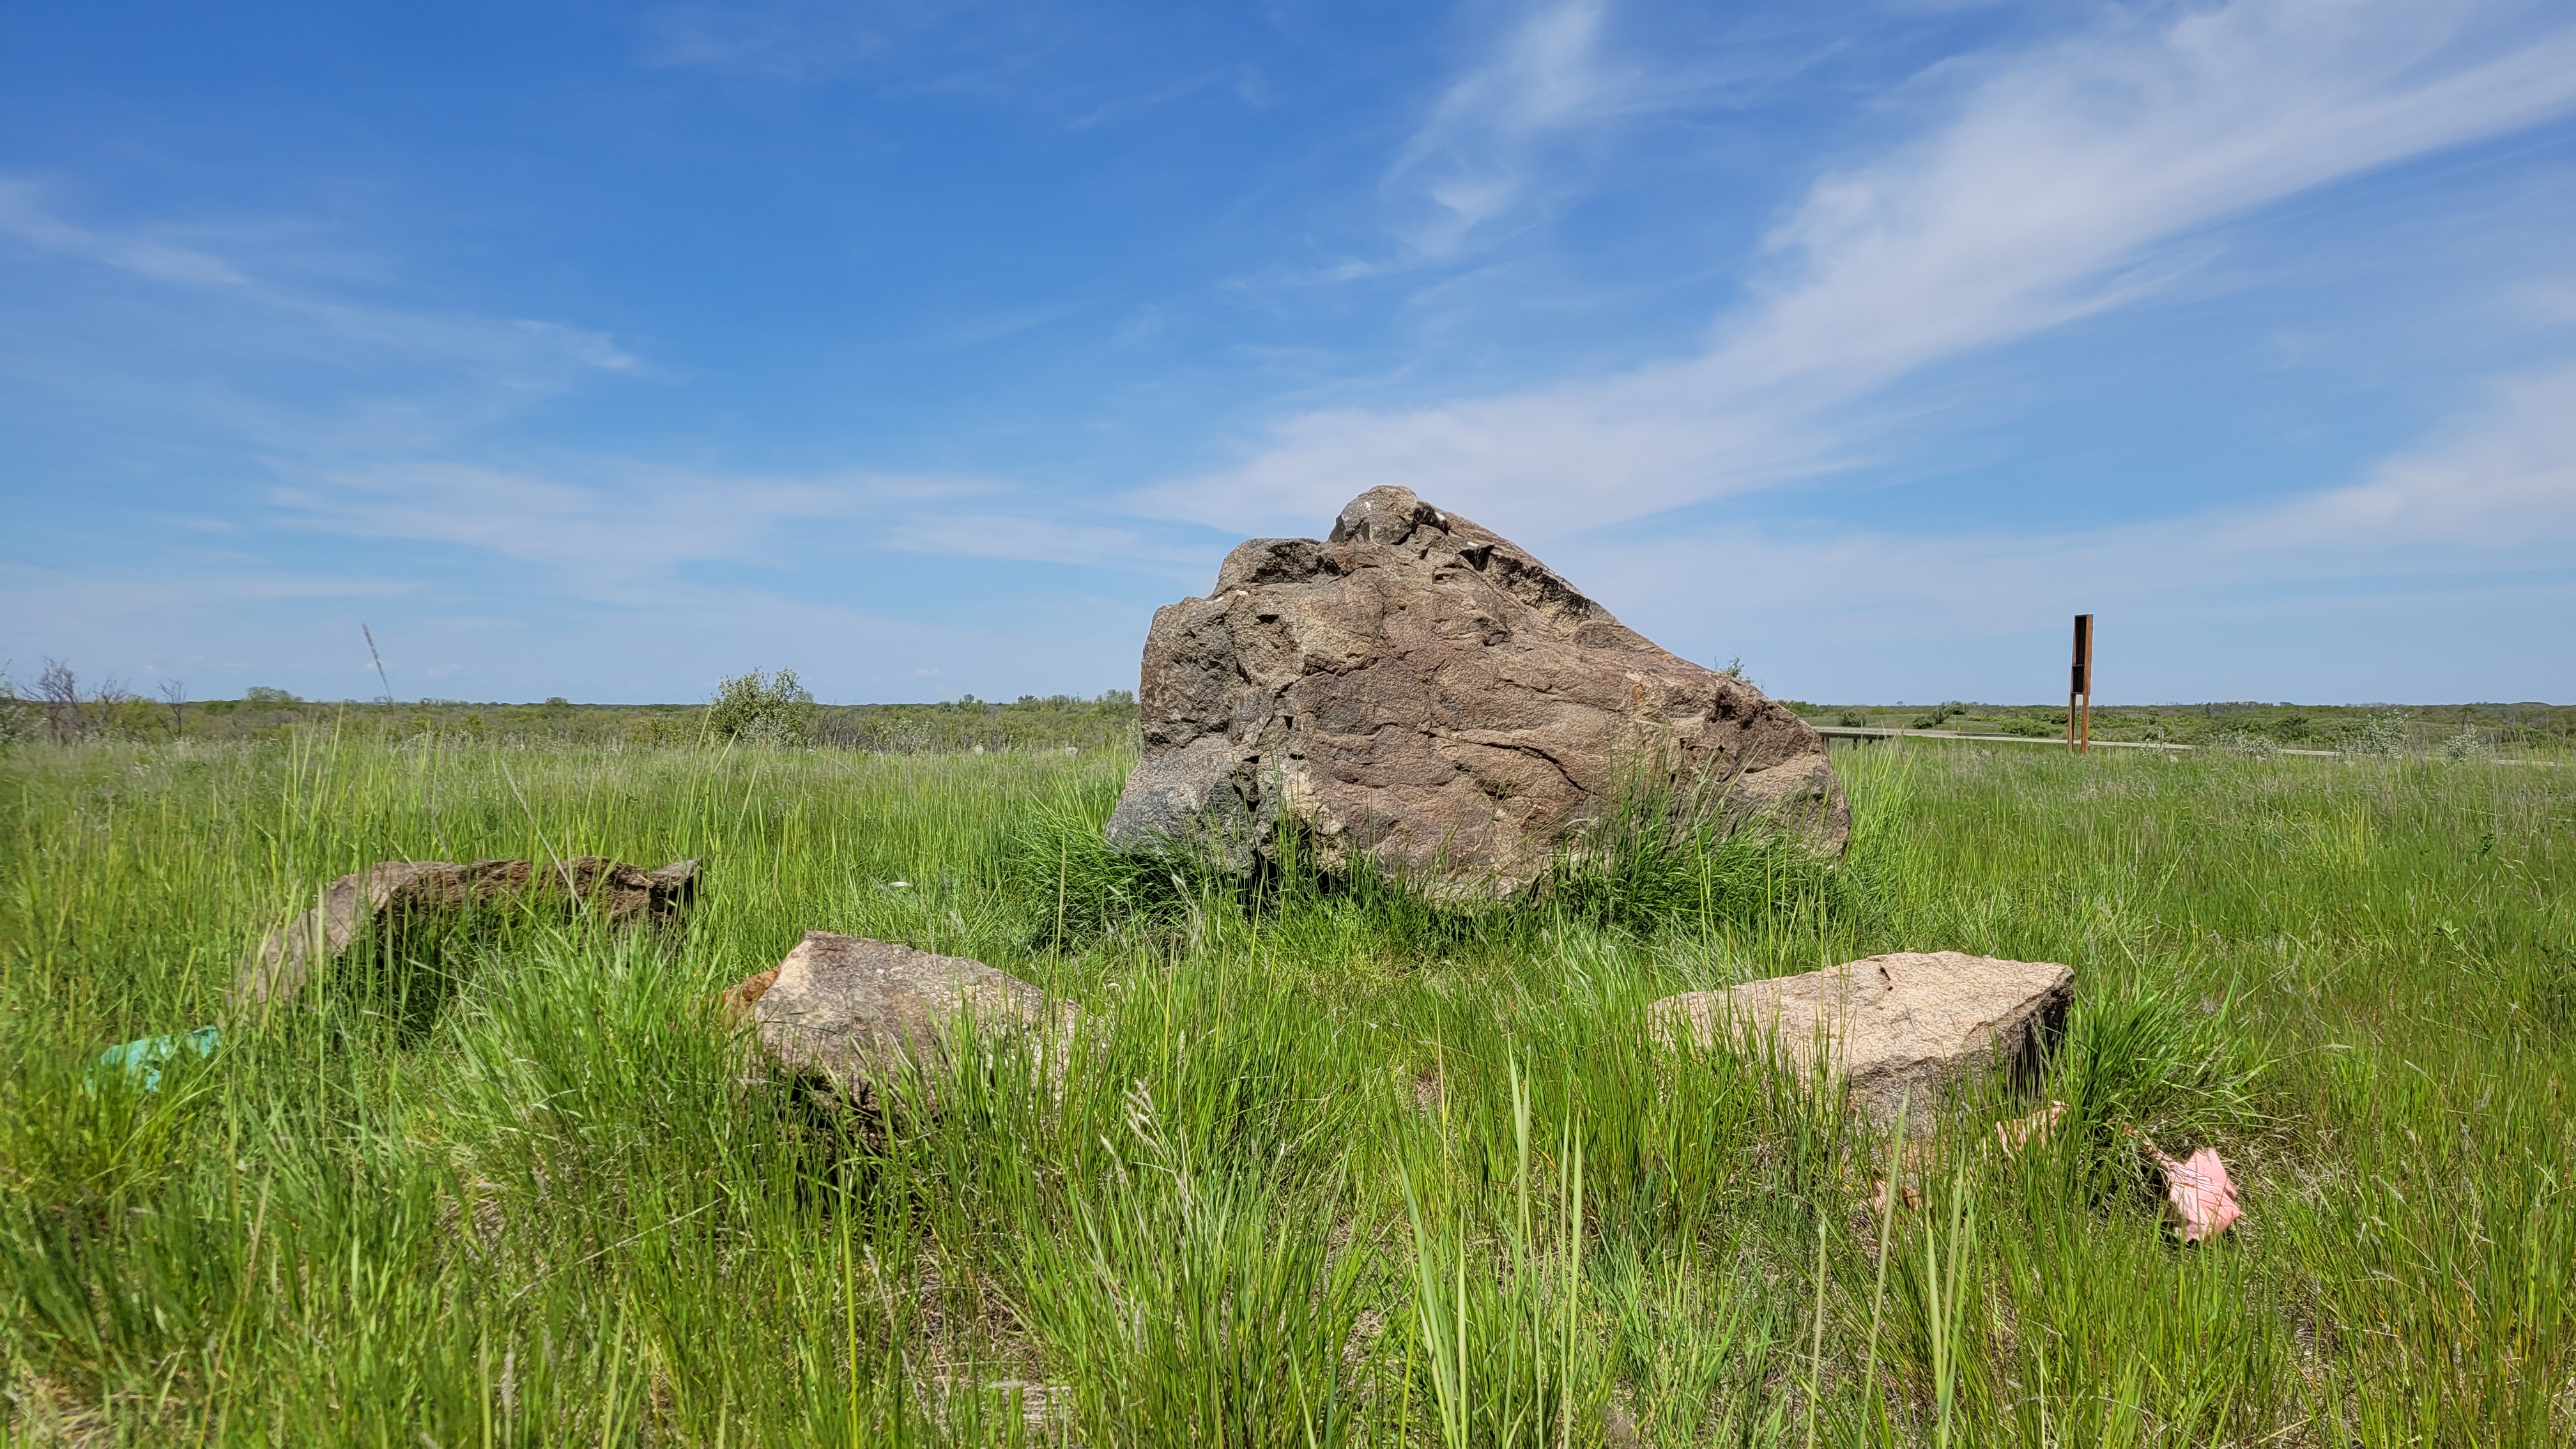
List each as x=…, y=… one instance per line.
x=2079, y=690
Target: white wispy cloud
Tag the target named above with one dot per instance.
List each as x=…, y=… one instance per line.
x=782, y=39
x=1058, y=60
x=616, y=530
x=2061, y=182
x=2495, y=487
x=392, y=445
x=1472, y=161
x=301, y=631
x=261, y=349
x=610, y=528
x=26, y=589
x=2485, y=503
x=517, y=350
x=1041, y=540
x=25, y=215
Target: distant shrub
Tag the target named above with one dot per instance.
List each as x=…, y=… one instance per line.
x=2468, y=744
x=268, y=697
x=1049, y=724
x=655, y=730
x=2252, y=744
x=19, y=718
x=762, y=709
x=2381, y=736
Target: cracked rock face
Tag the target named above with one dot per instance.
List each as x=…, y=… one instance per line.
x=1423, y=690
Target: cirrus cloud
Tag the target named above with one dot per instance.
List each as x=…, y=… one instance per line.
x=2064, y=182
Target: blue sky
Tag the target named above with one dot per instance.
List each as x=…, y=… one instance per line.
x=602, y=351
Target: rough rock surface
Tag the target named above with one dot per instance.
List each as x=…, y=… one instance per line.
x=1908, y=1024
x=1424, y=690
x=856, y=1012
x=625, y=892
x=392, y=892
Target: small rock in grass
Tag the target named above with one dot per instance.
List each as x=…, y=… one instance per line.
x=277, y=969
x=1909, y=1024
x=395, y=891
x=858, y=1013
x=743, y=995
x=625, y=892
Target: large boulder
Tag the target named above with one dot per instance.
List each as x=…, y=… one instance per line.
x=1423, y=690
x=394, y=893
x=1905, y=1026
x=857, y=1014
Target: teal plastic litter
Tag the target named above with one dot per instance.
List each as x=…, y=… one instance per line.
x=141, y=1060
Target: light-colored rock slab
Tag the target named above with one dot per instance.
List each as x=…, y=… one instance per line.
x=1907, y=1024
x=858, y=1013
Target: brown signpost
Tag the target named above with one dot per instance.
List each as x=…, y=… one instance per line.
x=2079, y=688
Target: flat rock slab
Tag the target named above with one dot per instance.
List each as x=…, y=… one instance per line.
x=858, y=1013
x=1910, y=1024
x=393, y=892
x=1424, y=691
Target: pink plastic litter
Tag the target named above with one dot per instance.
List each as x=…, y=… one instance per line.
x=2201, y=1196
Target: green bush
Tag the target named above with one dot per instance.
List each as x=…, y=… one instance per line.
x=2468, y=744
x=2380, y=737
x=2249, y=743
x=762, y=709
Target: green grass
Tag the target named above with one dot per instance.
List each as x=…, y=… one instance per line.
x=1330, y=1166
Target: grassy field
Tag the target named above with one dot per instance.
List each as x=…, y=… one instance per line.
x=1330, y=1167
